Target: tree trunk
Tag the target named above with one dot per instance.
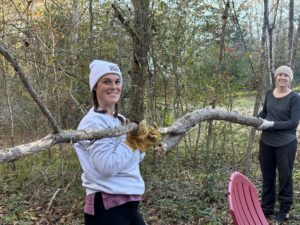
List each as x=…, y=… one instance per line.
x=262, y=84
x=291, y=34
x=91, y=28
x=139, y=71
x=218, y=72
x=140, y=35
x=270, y=47
x=75, y=20
x=11, y=118
x=296, y=44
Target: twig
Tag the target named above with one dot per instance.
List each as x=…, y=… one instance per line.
x=56, y=193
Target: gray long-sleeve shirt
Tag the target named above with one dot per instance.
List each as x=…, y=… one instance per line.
x=285, y=112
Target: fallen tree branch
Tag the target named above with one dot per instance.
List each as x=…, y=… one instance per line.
x=177, y=131
x=173, y=133
x=64, y=136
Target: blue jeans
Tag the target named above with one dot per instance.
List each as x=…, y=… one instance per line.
x=280, y=158
x=126, y=214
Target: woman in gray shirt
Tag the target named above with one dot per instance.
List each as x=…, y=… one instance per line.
x=278, y=143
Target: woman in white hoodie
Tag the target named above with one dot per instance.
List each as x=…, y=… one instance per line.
x=111, y=174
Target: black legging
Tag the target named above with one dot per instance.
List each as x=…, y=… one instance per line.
x=281, y=158
x=126, y=214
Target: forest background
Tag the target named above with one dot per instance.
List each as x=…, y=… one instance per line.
x=176, y=56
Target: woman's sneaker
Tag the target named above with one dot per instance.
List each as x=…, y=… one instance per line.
x=268, y=214
x=282, y=217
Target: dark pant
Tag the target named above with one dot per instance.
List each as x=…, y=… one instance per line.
x=281, y=158
x=126, y=214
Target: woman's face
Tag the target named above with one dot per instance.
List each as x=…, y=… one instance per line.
x=108, y=90
x=283, y=80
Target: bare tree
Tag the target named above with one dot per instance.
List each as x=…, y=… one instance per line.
x=91, y=27
x=296, y=44
x=218, y=72
x=9, y=105
x=270, y=47
x=140, y=35
x=291, y=33
x=75, y=20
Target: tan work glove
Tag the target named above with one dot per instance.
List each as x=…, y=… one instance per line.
x=135, y=137
x=150, y=139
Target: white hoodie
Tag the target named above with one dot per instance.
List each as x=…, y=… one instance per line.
x=108, y=164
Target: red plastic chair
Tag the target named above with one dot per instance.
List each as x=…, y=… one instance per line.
x=243, y=201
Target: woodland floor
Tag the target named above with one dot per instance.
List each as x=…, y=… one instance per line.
x=46, y=189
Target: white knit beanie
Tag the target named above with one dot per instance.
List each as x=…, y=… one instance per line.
x=286, y=70
x=98, y=68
